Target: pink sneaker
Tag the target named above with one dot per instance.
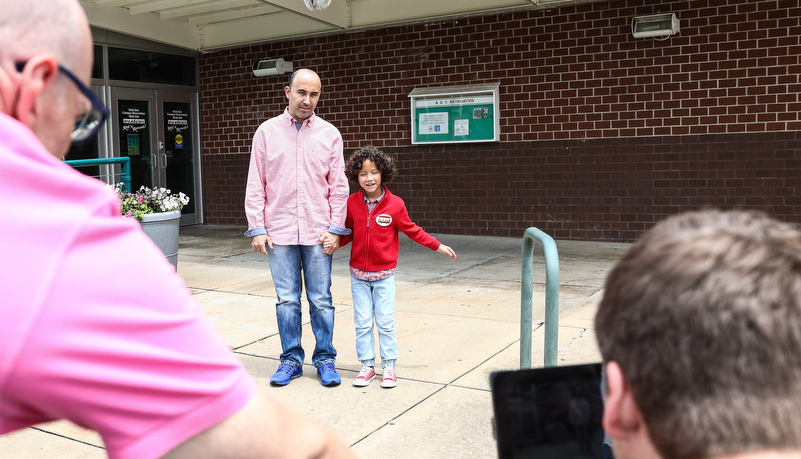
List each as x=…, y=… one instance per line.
x=365, y=376
x=388, y=378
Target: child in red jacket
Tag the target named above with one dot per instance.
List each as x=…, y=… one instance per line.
x=375, y=215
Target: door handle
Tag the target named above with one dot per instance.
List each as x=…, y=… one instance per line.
x=164, y=160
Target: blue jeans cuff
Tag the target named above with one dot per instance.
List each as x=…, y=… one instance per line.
x=323, y=362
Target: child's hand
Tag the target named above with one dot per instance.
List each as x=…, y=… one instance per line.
x=446, y=250
x=330, y=243
x=324, y=241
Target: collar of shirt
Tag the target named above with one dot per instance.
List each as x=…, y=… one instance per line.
x=291, y=121
x=377, y=200
x=371, y=205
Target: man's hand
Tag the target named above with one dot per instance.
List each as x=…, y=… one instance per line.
x=330, y=242
x=264, y=427
x=259, y=242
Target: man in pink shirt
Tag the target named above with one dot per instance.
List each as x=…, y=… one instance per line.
x=296, y=196
x=142, y=366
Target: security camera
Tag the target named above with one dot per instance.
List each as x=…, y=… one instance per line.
x=269, y=67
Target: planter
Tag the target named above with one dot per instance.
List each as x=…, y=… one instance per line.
x=162, y=228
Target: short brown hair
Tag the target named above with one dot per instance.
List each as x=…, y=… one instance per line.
x=703, y=315
x=384, y=162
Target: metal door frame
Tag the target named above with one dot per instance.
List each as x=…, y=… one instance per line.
x=156, y=98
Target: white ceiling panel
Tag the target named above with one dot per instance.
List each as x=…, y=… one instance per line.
x=149, y=26
x=252, y=30
x=205, y=25
x=376, y=12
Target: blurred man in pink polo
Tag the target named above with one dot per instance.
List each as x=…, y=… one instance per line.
x=142, y=366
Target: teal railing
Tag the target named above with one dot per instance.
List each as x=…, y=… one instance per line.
x=125, y=172
x=551, y=297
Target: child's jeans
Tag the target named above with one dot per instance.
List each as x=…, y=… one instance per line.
x=375, y=301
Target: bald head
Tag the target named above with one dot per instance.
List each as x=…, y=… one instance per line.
x=31, y=27
x=306, y=72
x=45, y=35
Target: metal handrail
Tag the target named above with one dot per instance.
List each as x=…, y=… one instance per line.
x=125, y=172
x=551, y=297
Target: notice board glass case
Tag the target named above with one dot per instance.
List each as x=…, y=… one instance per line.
x=453, y=114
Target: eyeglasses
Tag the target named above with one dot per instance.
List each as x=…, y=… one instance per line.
x=86, y=124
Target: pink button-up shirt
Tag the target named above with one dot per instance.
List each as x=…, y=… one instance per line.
x=296, y=187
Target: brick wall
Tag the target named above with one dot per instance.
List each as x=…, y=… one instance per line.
x=602, y=134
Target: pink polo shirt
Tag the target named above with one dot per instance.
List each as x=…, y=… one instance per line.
x=296, y=187
x=95, y=326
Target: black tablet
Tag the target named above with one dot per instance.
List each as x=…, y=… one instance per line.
x=546, y=413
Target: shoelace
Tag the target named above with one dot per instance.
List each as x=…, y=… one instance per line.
x=365, y=373
x=286, y=369
x=325, y=368
x=389, y=373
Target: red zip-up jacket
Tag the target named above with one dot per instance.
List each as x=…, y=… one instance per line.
x=375, y=241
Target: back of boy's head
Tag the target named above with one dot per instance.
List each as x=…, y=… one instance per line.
x=383, y=161
x=703, y=315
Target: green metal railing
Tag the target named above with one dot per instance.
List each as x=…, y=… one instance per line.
x=551, y=297
x=125, y=172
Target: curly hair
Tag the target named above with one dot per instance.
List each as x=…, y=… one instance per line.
x=384, y=162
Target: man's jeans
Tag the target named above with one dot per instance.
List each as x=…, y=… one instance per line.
x=286, y=264
x=375, y=300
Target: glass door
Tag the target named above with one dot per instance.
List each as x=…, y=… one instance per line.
x=178, y=147
x=159, y=131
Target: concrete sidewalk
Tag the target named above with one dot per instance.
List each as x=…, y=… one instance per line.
x=457, y=321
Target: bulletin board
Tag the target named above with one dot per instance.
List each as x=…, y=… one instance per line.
x=453, y=114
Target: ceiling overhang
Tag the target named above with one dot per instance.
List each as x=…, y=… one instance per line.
x=205, y=25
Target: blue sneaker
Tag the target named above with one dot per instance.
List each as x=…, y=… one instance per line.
x=284, y=374
x=328, y=374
